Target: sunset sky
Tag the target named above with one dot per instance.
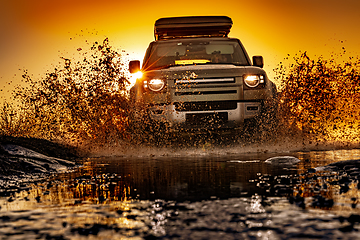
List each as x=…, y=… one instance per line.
x=36, y=33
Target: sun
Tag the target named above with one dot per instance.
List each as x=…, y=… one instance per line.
x=134, y=77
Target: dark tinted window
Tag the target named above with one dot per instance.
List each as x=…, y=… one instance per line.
x=194, y=51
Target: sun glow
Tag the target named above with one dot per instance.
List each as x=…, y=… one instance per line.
x=135, y=76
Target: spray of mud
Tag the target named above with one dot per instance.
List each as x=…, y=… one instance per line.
x=79, y=101
x=86, y=102
x=320, y=97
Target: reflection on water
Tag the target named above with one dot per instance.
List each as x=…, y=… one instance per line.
x=157, y=196
x=102, y=180
x=175, y=178
x=180, y=179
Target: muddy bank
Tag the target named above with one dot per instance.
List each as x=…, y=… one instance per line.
x=42, y=146
x=28, y=160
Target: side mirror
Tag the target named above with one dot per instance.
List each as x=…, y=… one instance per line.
x=134, y=66
x=258, y=61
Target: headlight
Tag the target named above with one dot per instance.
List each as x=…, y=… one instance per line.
x=155, y=85
x=254, y=80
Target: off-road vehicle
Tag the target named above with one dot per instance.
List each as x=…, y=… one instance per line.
x=197, y=78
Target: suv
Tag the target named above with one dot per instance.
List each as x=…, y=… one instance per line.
x=197, y=78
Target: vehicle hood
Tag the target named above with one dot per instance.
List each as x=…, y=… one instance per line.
x=204, y=71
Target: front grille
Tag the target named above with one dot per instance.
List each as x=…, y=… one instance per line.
x=206, y=118
x=205, y=81
x=205, y=106
x=205, y=92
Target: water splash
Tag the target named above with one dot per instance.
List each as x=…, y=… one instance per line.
x=319, y=98
x=86, y=101
x=81, y=100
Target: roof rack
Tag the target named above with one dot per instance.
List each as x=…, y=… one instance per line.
x=179, y=27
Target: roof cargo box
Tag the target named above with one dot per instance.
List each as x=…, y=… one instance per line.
x=178, y=27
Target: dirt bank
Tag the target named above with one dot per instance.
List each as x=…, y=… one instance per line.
x=31, y=155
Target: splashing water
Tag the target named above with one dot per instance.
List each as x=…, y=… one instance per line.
x=87, y=101
x=320, y=98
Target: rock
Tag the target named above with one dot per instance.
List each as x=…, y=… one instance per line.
x=282, y=160
x=44, y=162
x=42, y=146
x=27, y=160
x=30, y=155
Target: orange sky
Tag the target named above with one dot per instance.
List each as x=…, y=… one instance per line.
x=35, y=33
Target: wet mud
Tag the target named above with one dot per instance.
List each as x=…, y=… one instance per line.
x=200, y=194
x=28, y=160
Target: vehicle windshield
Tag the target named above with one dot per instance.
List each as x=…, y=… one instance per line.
x=194, y=51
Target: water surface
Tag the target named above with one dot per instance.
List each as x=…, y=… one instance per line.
x=206, y=194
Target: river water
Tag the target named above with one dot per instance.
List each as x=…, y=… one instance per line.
x=207, y=192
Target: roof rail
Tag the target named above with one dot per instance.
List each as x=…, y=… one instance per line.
x=179, y=27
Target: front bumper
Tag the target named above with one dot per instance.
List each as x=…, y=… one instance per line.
x=210, y=119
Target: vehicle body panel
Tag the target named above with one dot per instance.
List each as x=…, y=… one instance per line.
x=200, y=91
